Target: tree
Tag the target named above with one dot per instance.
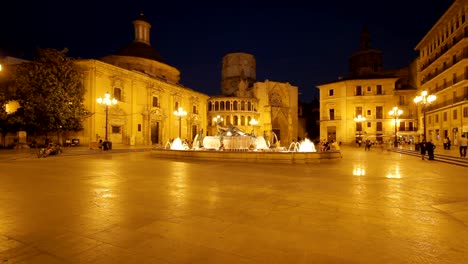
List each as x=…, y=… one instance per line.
x=50, y=93
x=9, y=122
x=3, y=116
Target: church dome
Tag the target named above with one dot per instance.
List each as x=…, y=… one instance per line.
x=140, y=47
x=141, y=50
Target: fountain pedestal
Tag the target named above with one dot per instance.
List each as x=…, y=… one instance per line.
x=234, y=143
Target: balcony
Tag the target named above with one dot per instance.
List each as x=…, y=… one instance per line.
x=330, y=119
x=407, y=129
x=444, y=50
x=432, y=75
x=452, y=101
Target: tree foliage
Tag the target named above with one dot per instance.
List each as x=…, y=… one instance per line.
x=9, y=122
x=50, y=93
x=3, y=114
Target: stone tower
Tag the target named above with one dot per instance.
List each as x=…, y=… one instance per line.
x=237, y=67
x=366, y=61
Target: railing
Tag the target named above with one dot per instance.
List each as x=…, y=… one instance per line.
x=329, y=119
x=407, y=129
x=444, y=50
x=438, y=105
x=368, y=93
x=434, y=74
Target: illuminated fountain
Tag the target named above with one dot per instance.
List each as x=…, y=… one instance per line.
x=233, y=139
x=177, y=144
x=307, y=146
x=294, y=146
x=232, y=144
x=304, y=146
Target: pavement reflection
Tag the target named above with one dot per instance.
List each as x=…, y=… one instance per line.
x=373, y=206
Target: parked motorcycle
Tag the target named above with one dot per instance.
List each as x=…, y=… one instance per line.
x=52, y=149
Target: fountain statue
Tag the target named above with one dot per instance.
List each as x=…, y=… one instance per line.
x=198, y=141
x=234, y=139
x=231, y=138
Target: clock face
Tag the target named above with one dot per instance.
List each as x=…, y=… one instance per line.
x=234, y=84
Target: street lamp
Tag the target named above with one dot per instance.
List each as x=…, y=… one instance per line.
x=180, y=113
x=218, y=119
x=359, y=119
x=424, y=100
x=253, y=123
x=107, y=101
x=395, y=112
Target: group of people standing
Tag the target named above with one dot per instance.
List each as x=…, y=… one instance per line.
x=447, y=143
x=429, y=147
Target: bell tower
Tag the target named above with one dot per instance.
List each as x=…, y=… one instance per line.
x=237, y=67
x=366, y=61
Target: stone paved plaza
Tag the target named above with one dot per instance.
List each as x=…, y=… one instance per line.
x=369, y=207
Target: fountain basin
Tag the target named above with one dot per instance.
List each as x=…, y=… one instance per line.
x=249, y=156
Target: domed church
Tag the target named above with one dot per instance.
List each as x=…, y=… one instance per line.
x=148, y=105
x=147, y=91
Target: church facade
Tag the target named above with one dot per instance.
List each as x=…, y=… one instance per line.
x=148, y=91
x=357, y=107
x=268, y=109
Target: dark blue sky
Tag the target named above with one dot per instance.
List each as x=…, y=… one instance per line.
x=305, y=45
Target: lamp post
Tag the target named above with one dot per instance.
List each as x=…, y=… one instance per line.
x=253, y=123
x=107, y=101
x=395, y=112
x=217, y=120
x=180, y=113
x=359, y=119
x=424, y=99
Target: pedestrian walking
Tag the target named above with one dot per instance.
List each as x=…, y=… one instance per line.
x=430, y=147
x=463, y=145
x=422, y=148
x=367, y=144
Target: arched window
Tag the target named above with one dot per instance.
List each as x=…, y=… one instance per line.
x=222, y=105
x=242, y=120
x=176, y=106
x=249, y=106
x=228, y=105
x=155, y=101
x=235, y=106
x=242, y=105
x=118, y=94
x=236, y=121
x=216, y=106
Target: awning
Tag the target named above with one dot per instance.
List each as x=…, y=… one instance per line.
x=409, y=133
x=374, y=136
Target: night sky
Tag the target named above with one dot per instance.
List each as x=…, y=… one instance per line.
x=305, y=45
